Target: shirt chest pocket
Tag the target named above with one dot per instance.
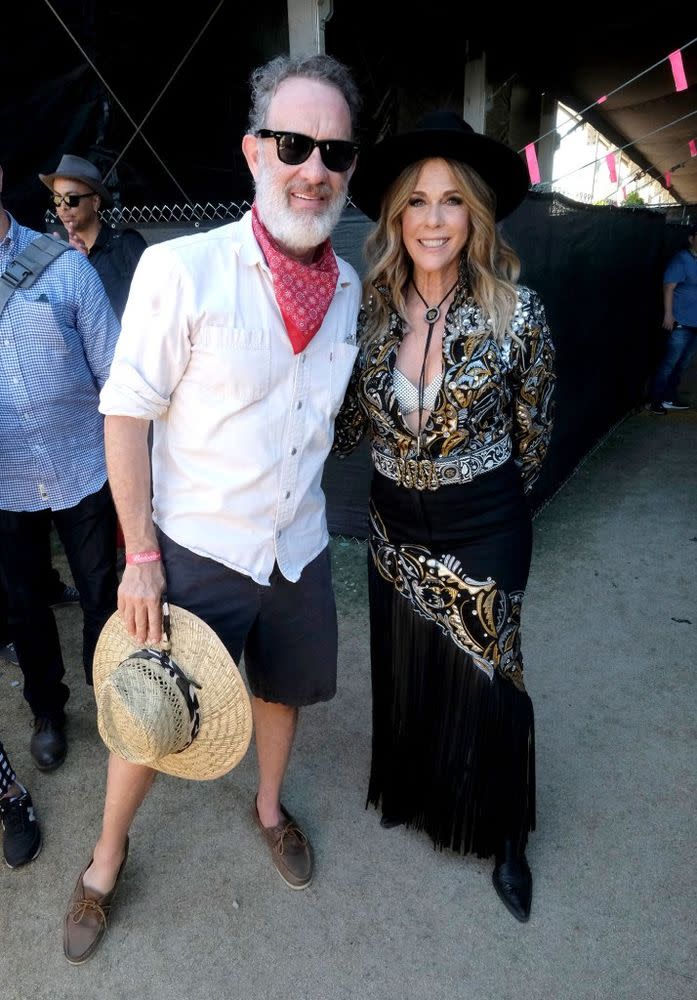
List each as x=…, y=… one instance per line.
x=46, y=325
x=231, y=365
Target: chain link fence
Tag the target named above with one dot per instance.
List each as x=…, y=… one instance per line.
x=175, y=215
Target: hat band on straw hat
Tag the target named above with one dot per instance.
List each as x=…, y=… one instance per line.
x=149, y=708
x=163, y=657
x=179, y=706
x=184, y=683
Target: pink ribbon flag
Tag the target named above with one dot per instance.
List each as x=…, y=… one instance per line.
x=667, y=177
x=676, y=64
x=612, y=167
x=533, y=165
x=693, y=147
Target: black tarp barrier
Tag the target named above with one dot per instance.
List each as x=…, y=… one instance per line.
x=54, y=101
x=598, y=270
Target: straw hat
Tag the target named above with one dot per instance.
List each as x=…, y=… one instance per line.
x=180, y=707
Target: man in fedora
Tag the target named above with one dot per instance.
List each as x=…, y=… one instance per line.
x=238, y=345
x=57, y=339
x=78, y=194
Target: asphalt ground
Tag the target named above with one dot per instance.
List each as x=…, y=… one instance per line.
x=609, y=627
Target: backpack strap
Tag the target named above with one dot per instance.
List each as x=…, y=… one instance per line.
x=23, y=271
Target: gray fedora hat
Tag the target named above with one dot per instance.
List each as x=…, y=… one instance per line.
x=79, y=170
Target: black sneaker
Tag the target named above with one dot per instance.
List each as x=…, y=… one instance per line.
x=65, y=595
x=657, y=408
x=673, y=404
x=21, y=842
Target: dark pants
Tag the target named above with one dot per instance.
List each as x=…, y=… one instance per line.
x=5, y=636
x=54, y=588
x=88, y=534
x=288, y=631
x=679, y=350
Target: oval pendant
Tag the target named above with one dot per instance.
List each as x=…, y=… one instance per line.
x=432, y=314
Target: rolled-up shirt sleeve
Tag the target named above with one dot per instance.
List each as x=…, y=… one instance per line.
x=154, y=347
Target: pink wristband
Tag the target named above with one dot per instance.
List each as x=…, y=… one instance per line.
x=136, y=558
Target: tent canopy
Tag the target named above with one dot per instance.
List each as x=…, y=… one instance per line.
x=586, y=63
x=183, y=78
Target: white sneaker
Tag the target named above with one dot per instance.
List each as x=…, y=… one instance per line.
x=673, y=405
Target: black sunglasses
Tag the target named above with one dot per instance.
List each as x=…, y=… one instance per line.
x=293, y=148
x=71, y=200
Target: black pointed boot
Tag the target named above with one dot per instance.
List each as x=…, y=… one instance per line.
x=513, y=881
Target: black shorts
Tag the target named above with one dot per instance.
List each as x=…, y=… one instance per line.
x=287, y=631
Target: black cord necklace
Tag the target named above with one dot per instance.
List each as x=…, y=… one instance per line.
x=431, y=316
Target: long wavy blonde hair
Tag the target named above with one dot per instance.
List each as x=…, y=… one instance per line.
x=492, y=265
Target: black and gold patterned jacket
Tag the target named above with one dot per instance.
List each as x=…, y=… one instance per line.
x=495, y=400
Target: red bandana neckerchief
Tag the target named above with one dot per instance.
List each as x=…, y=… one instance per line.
x=303, y=291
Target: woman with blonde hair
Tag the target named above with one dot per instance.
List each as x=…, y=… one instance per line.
x=453, y=384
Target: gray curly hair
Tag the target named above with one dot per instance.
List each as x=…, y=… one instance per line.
x=266, y=79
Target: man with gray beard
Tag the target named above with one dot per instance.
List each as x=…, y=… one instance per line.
x=238, y=344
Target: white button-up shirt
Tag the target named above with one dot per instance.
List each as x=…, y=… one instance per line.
x=242, y=426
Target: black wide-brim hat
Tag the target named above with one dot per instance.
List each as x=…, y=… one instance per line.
x=445, y=135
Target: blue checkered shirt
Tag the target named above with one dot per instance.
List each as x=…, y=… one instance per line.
x=57, y=340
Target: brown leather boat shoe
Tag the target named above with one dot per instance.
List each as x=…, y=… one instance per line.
x=85, y=922
x=291, y=851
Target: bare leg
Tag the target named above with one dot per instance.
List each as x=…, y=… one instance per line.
x=126, y=786
x=275, y=731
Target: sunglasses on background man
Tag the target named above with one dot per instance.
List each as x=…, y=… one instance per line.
x=69, y=200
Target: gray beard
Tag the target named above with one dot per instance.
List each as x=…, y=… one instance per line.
x=298, y=234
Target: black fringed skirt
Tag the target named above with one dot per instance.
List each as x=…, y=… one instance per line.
x=453, y=731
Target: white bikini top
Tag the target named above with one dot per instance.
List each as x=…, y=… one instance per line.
x=408, y=394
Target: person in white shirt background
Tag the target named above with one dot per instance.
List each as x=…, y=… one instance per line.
x=238, y=345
